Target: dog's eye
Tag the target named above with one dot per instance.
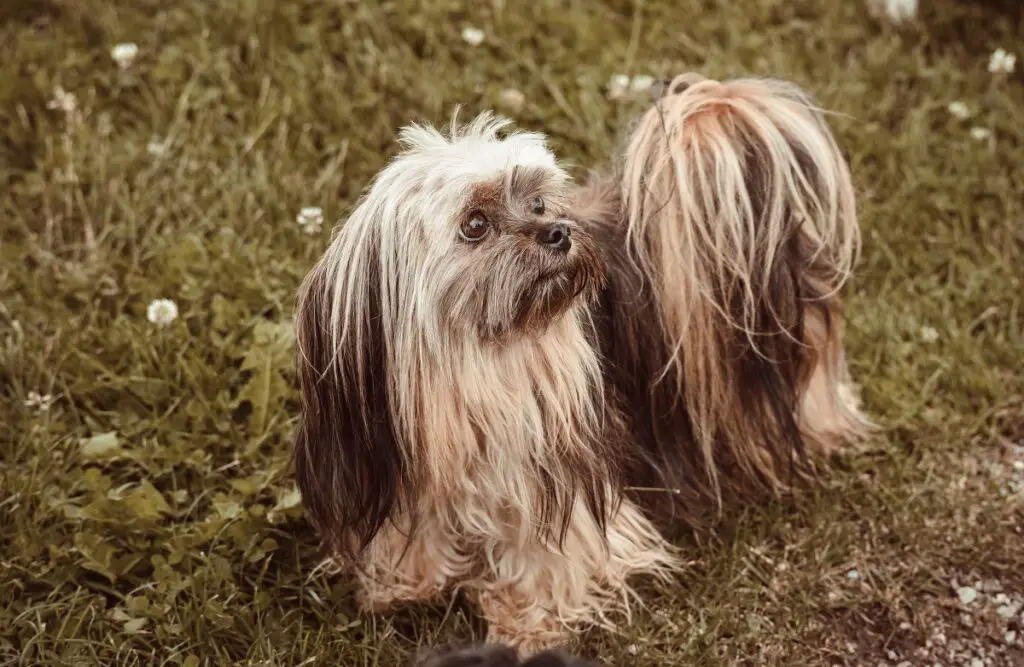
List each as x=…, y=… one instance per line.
x=537, y=206
x=475, y=227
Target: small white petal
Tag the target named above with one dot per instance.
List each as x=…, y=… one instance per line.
x=473, y=36
x=959, y=110
x=156, y=148
x=512, y=99
x=37, y=401
x=980, y=133
x=63, y=100
x=1002, y=62
x=929, y=334
x=310, y=218
x=853, y=575
x=162, y=312
x=124, y=54
x=617, y=86
x=901, y=10
x=641, y=82
x=632, y=649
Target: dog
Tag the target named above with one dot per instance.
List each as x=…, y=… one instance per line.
x=728, y=228
x=455, y=429
x=506, y=377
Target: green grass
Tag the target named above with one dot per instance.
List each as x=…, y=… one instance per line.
x=147, y=517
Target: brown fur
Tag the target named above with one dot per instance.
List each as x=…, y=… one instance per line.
x=727, y=229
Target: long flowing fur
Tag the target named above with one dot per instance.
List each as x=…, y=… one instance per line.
x=455, y=429
x=507, y=413
x=729, y=227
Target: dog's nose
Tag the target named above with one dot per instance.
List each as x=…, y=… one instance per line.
x=556, y=236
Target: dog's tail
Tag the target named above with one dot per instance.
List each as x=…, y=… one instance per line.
x=740, y=216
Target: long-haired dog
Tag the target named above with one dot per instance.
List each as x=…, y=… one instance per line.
x=727, y=227
x=455, y=426
x=503, y=375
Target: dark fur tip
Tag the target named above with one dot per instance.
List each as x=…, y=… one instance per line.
x=349, y=464
x=659, y=89
x=665, y=87
x=480, y=656
x=499, y=655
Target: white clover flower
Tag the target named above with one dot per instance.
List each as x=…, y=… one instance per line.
x=473, y=36
x=900, y=10
x=310, y=219
x=512, y=99
x=63, y=100
x=980, y=133
x=156, y=147
x=617, y=86
x=162, y=312
x=124, y=54
x=37, y=401
x=1002, y=62
x=621, y=84
x=929, y=334
x=958, y=109
x=641, y=83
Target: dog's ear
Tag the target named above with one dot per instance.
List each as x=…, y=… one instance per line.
x=349, y=462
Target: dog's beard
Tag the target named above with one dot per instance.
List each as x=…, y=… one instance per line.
x=517, y=289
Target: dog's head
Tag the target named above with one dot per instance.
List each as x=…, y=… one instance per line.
x=461, y=242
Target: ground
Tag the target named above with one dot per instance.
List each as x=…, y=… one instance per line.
x=147, y=508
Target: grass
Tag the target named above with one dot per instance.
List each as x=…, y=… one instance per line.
x=148, y=516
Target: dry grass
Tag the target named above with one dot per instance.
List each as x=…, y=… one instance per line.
x=175, y=539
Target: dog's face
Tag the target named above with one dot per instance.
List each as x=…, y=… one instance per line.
x=514, y=260
x=486, y=238
x=470, y=236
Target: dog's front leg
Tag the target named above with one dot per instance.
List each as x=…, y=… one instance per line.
x=400, y=566
x=521, y=617
x=537, y=592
